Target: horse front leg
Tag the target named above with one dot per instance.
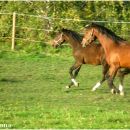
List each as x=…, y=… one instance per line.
x=74, y=69
x=105, y=68
x=112, y=73
x=71, y=74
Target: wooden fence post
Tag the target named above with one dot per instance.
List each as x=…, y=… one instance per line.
x=13, y=31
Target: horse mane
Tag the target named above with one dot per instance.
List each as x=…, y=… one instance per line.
x=107, y=32
x=74, y=34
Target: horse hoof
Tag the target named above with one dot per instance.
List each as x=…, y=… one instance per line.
x=93, y=89
x=122, y=93
x=117, y=91
x=67, y=87
x=113, y=91
x=77, y=84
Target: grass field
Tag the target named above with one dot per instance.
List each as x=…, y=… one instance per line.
x=32, y=95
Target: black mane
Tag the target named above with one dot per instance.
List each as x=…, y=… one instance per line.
x=74, y=34
x=107, y=32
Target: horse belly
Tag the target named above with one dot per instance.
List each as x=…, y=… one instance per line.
x=92, y=61
x=93, y=56
x=125, y=64
x=125, y=60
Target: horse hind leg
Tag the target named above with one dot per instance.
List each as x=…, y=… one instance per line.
x=121, y=74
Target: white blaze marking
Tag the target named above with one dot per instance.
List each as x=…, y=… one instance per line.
x=96, y=86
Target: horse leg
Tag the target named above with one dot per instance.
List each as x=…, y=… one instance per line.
x=121, y=88
x=112, y=73
x=104, y=72
x=71, y=74
x=121, y=75
x=76, y=69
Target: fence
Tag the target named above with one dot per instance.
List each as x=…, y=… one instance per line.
x=15, y=27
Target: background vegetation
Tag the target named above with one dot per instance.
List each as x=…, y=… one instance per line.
x=32, y=78
x=33, y=95
x=58, y=12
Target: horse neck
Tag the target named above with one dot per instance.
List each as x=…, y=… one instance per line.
x=107, y=43
x=73, y=42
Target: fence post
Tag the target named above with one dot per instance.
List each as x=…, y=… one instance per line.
x=13, y=31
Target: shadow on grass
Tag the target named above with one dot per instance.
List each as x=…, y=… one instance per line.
x=9, y=80
x=74, y=89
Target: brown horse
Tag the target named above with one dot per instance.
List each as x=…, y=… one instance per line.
x=117, y=51
x=92, y=54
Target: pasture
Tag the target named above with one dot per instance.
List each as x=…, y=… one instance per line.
x=32, y=94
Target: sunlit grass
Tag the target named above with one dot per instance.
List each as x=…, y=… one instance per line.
x=32, y=95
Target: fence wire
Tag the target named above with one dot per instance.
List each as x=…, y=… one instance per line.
x=51, y=30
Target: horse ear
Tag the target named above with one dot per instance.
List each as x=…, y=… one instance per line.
x=86, y=25
x=56, y=29
x=63, y=29
x=94, y=24
x=89, y=25
x=92, y=32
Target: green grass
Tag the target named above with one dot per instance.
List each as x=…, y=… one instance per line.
x=32, y=95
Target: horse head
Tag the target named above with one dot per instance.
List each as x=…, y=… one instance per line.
x=89, y=36
x=59, y=39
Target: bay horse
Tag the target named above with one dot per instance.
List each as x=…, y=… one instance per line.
x=93, y=54
x=117, y=51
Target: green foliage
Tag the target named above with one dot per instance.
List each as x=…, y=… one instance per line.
x=60, y=10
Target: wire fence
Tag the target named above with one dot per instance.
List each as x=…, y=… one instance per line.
x=15, y=27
